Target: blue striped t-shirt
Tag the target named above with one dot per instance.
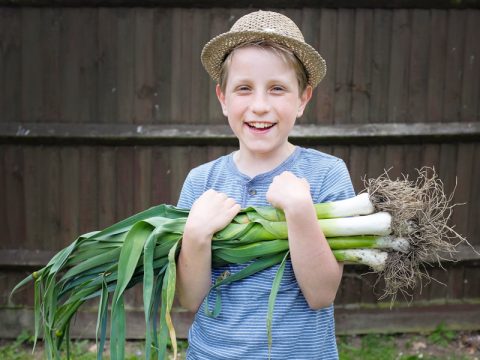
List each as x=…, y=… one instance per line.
x=240, y=331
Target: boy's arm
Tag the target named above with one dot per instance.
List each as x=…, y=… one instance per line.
x=317, y=271
x=210, y=213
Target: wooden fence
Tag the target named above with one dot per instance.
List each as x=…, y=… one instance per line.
x=104, y=109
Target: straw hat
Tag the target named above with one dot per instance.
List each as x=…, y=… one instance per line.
x=263, y=25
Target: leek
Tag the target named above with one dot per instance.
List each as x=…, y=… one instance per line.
x=393, y=228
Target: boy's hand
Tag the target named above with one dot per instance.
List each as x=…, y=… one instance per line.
x=317, y=271
x=211, y=212
x=289, y=192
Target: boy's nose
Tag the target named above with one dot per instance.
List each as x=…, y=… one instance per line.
x=260, y=104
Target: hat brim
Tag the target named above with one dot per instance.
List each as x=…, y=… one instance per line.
x=217, y=49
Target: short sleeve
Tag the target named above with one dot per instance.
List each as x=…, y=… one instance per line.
x=187, y=195
x=337, y=184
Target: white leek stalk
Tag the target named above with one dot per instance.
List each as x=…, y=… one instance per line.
x=376, y=259
x=358, y=205
x=374, y=224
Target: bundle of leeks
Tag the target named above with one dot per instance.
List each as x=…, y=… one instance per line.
x=395, y=227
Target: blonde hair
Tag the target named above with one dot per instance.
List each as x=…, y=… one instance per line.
x=281, y=51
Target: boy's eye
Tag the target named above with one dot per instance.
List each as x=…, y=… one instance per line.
x=243, y=88
x=278, y=88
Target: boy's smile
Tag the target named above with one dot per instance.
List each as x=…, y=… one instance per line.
x=262, y=102
x=260, y=126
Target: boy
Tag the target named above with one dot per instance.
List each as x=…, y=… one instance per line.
x=266, y=74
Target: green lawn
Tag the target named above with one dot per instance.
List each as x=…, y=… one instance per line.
x=441, y=344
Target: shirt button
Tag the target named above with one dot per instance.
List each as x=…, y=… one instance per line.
x=252, y=192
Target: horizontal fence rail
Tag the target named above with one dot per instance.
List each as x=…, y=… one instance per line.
x=45, y=133
x=392, y=4
x=347, y=320
x=23, y=258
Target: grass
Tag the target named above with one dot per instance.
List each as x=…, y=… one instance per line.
x=21, y=349
x=440, y=344
x=367, y=347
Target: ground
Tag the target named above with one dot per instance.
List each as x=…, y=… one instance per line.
x=442, y=344
x=439, y=345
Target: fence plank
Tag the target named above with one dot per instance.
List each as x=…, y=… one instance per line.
x=70, y=179
x=162, y=54
x=430, y=155
x=394, y=160
x=187, y=57
x=358, y=166
x=350, y=288
x=142, y=179
x=13, y=210
x=107, y=201
x=437, y=63
x=342, y=152
x=398, y=80
x=10, y=64
x=474, y=211
x=343, y=66
x=24, y=297
x=78, y=65
x=51, y=23
x=362, y=65
x=381, y=62
x=51, y=192
x=465, y=185
x=437, y=286
x=455, y=284
x=454, y=62
x=161, y=175
x=448, y=158
x=88, y=190
x=220, y=22
x=125, y=181
x=32, y=161
x=177, y=86
x=125, y=89
x=200, y=81
x=70, y=83
x=413, y=158
x=310, y=27
x=32, y=62
x=470, y=108
x=471, y=281
x=5, y=171
x=145, y=92
x=375, y=160
x=419, y=71
x=108, y=67
x=326, y=92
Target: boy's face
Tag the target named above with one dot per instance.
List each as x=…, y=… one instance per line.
x=262, y=100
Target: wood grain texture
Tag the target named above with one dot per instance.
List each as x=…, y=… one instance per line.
x=105, y=109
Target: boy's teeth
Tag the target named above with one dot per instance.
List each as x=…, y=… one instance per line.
x=260, y=125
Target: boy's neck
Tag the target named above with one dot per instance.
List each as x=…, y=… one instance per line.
x=253, y=164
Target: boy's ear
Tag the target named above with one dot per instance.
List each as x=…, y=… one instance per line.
x=304, y=99
x=221, y=98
